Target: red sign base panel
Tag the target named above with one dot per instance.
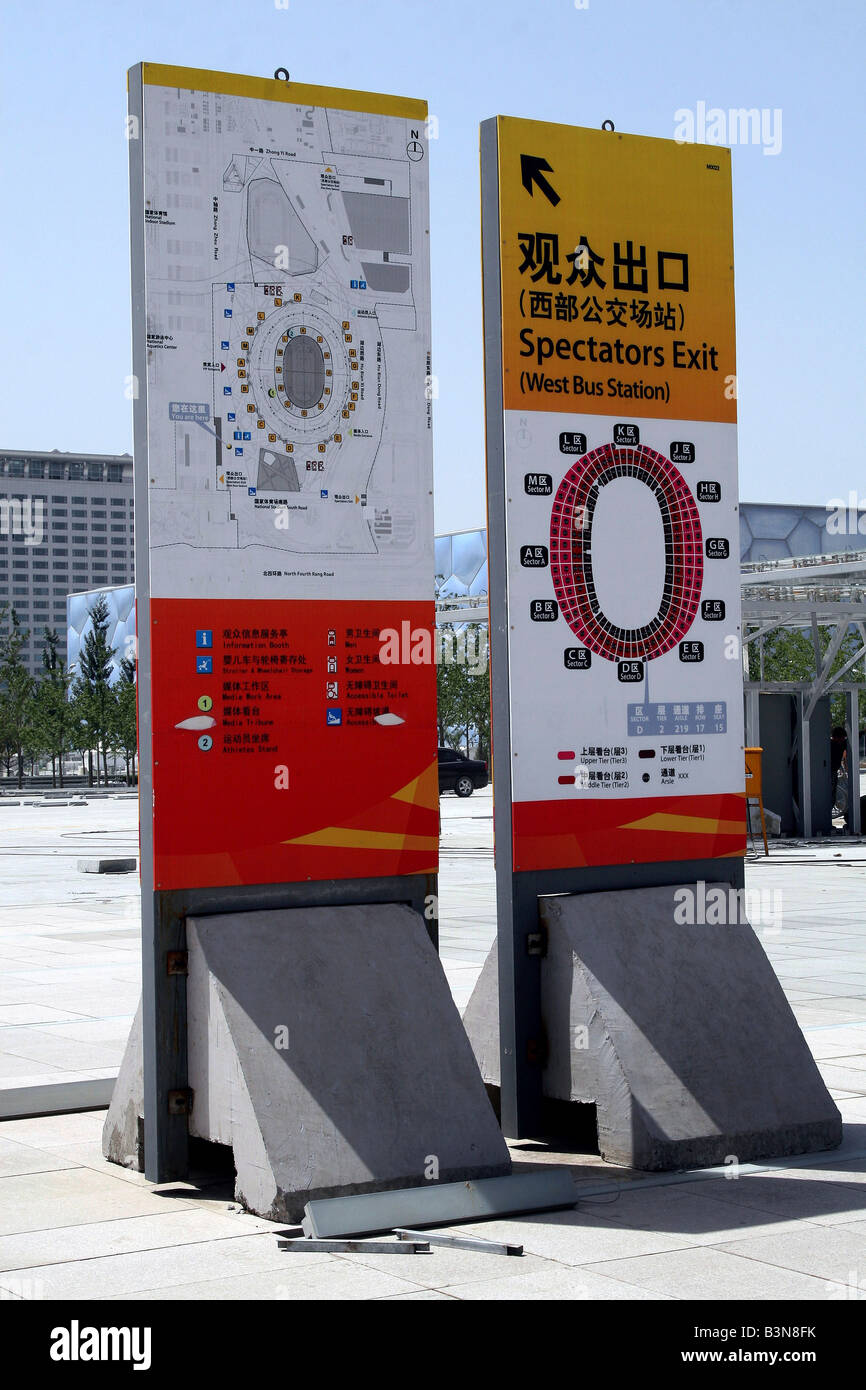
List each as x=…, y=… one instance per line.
x=285, y=749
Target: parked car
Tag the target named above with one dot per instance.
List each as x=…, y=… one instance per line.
x=459, y=774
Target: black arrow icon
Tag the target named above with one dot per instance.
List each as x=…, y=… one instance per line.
x=532, y=170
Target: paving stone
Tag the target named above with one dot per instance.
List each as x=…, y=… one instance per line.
x=70, y=1197
x=837, y=1254
x=181, y=1225
x=16, y=1069
x=844, y=1077
x=686, y=1209
x=421, y=1294
x=555, y=1283
x=446, y=1266
x=16, y=1159
x=705, y=1272
x=54, y=1131
x=322, y=1277
x=33, y=1013
x=107, y=1276
x=791, y=1199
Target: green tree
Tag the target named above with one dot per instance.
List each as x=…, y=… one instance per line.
x=125, y=716
x=6, y=741
x=16, y=689
x=477, y=641
x=53, y=714
x=450, y=695
x=463, y=687
x=79, y=731
x=94, y=696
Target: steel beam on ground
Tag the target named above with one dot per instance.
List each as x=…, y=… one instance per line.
x=368, y=1213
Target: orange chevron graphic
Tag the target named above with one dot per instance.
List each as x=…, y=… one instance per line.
x=337, y=837
x=560, y=834
x=421, y=794
x=685, y=825
x=423, y=790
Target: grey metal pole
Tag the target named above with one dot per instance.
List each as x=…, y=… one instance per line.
x=517, y=912
x=163, y=995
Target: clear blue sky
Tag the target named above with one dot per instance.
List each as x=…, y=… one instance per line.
x=799, y=216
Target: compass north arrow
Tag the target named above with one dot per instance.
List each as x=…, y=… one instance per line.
x=532, y=170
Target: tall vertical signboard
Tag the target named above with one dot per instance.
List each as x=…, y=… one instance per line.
x=613, y=513
x=283, y=460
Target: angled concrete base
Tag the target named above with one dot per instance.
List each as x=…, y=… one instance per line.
x=123, y=1131
x=325, y=1049
x=681, y=1035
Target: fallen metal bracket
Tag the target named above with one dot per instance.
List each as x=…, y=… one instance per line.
x=487, y=1247
x=358, y=1247
x=368, y=1213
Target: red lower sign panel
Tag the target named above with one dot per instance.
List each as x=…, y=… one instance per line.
x=630, y=830
x=285, y=748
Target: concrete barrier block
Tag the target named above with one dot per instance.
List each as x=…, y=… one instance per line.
x=107, y=866
x=342, y=1066
x=680, y=1033
x=324, y=1047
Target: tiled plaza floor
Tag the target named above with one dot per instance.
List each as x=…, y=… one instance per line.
x=70, y=959
x=73, y=1226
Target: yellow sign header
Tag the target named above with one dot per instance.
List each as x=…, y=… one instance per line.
x=273, y=89
x=617, y=273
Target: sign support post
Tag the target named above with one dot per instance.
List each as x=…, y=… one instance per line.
x=613, y=550
x=286, y=674
x=163, y=999
x=519, y=977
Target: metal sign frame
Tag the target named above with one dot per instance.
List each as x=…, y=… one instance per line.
x=167, y=1100
x=520, y=939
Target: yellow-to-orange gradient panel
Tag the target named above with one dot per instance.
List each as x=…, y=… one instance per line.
x=617, y=274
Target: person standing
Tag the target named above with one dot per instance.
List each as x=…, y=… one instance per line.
x=839, y=771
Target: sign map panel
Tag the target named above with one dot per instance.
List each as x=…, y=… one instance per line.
x=618, y=388
x=289, y=464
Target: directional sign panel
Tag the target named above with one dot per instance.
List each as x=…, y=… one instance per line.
x=612, y=478
x=284, y=478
